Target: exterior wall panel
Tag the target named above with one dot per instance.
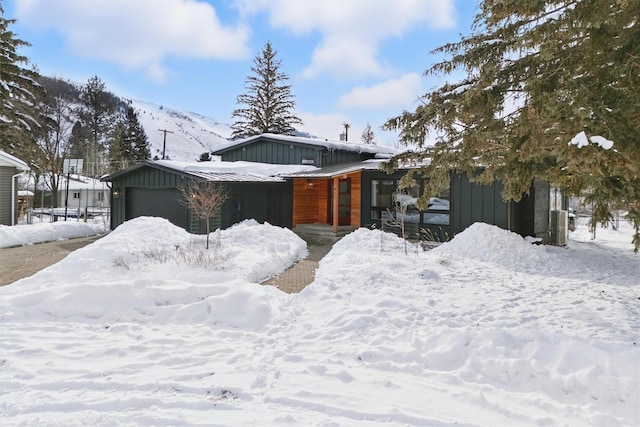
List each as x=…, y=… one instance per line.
x=6, y=211
x=306, y=206
x=285, y=153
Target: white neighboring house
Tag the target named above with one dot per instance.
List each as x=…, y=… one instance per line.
x=10, y=168
x=84, y=192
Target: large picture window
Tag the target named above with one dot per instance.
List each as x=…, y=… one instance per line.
x=385, y=199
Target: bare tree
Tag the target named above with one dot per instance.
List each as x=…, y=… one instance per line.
x=55, y=134
x=204, y=200
x=368, y=137
x=399, y=219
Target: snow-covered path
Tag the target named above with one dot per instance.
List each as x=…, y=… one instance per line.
x=486, y=330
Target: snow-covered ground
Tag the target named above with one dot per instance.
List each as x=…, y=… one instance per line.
x=43, y=230
x=486, y=330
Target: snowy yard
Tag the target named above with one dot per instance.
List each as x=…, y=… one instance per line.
x=486, y=330
x=46, y=231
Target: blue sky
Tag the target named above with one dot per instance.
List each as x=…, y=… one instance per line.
x=348, y=61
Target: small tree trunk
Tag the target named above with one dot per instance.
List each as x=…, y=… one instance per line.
x=207, y=228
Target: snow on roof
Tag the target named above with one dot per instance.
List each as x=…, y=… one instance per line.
x=239, y=171
x=321, y=143
x=81, y=182
x=333, y=170
x=7, y=159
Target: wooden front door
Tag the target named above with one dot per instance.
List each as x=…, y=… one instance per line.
x=344, y=202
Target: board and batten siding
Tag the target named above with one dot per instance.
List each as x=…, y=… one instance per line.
x=483, y=203
x=274, y=152
x=264, y=202
x=145, y=177
x=472, y=203
x=6, y=172
x=290, y=153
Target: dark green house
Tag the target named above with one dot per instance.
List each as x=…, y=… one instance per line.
x=296, y=182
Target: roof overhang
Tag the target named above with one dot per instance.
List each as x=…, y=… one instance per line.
x=337, y=170
x=209, y=171
x=7, y=159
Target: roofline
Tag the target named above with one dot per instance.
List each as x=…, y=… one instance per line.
x=334, y=170
x=14, y=161
x=314, y=143
x=109, y=177
x=196, y=175
x=248, y=141
x=150, y=163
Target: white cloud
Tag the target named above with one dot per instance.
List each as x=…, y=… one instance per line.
x=326, y=126
x=394, y=93
x=330, y=126
x=351, y=30
x=137, y=34
x=343, y=58
x=156, y=73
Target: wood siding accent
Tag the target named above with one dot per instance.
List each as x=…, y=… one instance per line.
x=306, y=206
x=324, y=194
x=356, y=198
x=312, y=200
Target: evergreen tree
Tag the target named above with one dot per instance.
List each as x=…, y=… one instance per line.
x=119, y=149
x=368, y=137
x=129, y=144
x=538, y=73
x=268, y=102
x=18, y=91
x=141, y=150
x=97, y=116
x=78, y=145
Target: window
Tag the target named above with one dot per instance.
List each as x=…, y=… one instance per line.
x=438, y=212
x=405, y=204
x=381, y=197
x=76, y=194
x=385, y=198
x=100, y=196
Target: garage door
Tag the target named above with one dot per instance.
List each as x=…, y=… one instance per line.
x=162, y=203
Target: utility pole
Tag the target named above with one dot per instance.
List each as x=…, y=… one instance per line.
x=346, y=131
x=164, y=141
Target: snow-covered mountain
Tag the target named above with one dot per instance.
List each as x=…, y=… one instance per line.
x=191, y=134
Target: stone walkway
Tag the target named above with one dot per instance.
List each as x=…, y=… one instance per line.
x=297, y=277
x=24, y=261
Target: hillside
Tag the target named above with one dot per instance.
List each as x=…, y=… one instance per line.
x=192, y=135
x=189, y=134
